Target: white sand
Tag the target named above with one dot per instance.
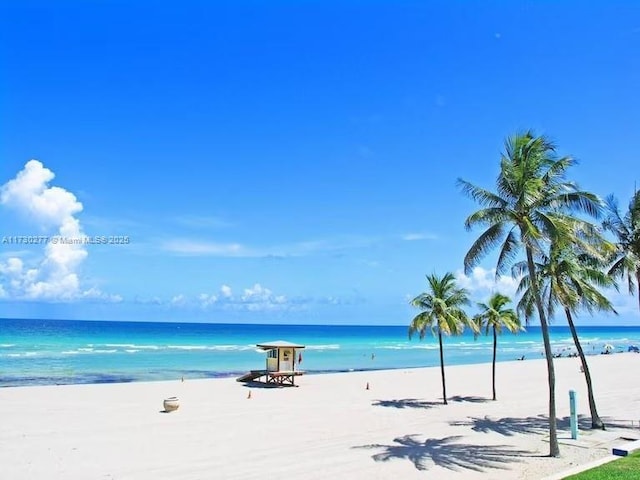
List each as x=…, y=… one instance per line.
x=329, y=427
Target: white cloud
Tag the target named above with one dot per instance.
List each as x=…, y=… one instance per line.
x=336, y=243
x=410, y=237
x=29, y=192
x=54, y=276
x=215, y=249
x=255, y=298
x=179, y=300
x=260, y=295
x=260, y=298
x=254, y=293
x=95, y=294
x=207, y=300
x=190, y=247
x=482, y=282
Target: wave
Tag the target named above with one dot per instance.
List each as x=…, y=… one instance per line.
x=85, y=351
x=411, y=347
x=130, y=345
x=223, y=348
x=627, y=340
x=516, y=349
x=133, y=346
x=331, y=346
x=22, y=355
x=188, y=347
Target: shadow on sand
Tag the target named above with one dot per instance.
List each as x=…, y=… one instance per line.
x=610, y=422
x=446, y=453
x=256, y=384
x=416, y=403
x=509, y=426
x=468, y=399
x=406, y=403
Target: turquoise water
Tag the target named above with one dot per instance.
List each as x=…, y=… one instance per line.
x=37, y=352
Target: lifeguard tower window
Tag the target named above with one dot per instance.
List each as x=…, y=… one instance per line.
x=273, y=354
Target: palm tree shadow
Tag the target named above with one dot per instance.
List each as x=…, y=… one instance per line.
x=610, y=422
x=468, y=399
x=509, y=426
x=446, y=453
x=406, y=403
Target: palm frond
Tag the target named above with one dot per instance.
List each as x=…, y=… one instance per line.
x=578, y=201
x=614, y=222
x=485, y=243
x=495, y=315
x=480, y=195
x=486, y=217
x=442, y=307
x=508, y=252
x=557, y=170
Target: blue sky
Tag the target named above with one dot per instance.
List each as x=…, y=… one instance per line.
x=290, y=162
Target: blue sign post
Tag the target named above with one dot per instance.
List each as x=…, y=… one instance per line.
x=573, y=415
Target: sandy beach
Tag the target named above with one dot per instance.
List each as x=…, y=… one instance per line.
x=331, y=426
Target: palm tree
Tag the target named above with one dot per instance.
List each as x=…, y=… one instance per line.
x=442, y=313
x=494, y=316
x=627, y=232
x=570, y=277
x=532, y=195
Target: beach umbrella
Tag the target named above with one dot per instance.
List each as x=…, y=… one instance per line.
x=608, y=346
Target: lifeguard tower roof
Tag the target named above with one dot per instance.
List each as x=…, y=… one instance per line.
x=278, y=344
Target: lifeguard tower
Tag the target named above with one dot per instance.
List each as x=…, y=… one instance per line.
x=281, y=364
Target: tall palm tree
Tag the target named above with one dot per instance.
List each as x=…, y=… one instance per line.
x=493, y=317
x=627, y=232
x=570, y=277
x=442, y=313
x=532, y=194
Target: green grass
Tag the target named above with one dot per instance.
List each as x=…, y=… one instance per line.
x=625, y=468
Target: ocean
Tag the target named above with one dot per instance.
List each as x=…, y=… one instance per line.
x=48, y=352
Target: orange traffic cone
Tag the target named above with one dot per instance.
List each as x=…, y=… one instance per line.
x=249, y=396
x=367, y=386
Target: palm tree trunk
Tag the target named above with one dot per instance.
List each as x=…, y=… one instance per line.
x=554, y=448
x=495, y=345
x=444, y=386
x=638, y=285
x=596, y=421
